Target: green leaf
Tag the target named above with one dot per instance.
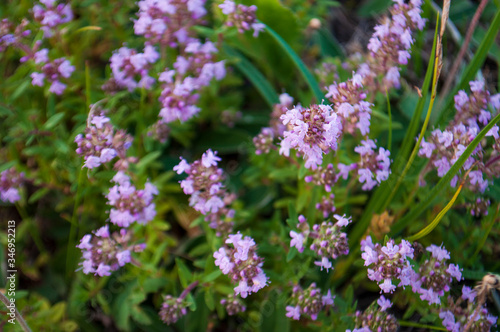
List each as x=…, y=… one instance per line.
x=293, y=217
x=212, y=276
x=146, y=160
x=184, y=273
x=328, y=44
x=38, y=194
x=291, y=254
x=209, y=299
x=53, y=121
x=373, y=7
x=8, y=165
x=140, y=316
x=311, y=81
x=254, y=75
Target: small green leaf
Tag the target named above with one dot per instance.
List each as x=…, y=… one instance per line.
x=38, y=194
x=209, y=299
x=53, y=121
x=184, y=273
x=212, y=276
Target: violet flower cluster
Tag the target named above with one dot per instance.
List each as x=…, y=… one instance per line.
x=53, y=71
x=242, y=264
x=388, y=262
x=444, y=147
x=312, y=132
x=390, y=46
x=328, y=241
x=241, y=17
x=264, y=141
x=130, y=69
x=194, y=69
x=128, y=204
x=168, y=22
x=12, y=34
x=376, y=317
x=104, y=252
x=50, y=15
x=435, y=275
x=233, y=305
x=172, y=309
x=373, y=167
x=101, y=143
x=208, y=195
x=349, y=102
x=466, y=314
x=308, y=302
x=10, y=183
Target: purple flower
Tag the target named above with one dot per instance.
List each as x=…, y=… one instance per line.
x=387, y=286
x=324, y=263
x=297, y=241
x=209, y=158
x=384, y=303
x=293, y=312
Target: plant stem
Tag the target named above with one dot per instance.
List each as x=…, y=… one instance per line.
x=74, y=227
x=189, y=288
x=20, y=318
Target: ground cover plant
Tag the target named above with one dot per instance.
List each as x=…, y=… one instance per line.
x=266, y=165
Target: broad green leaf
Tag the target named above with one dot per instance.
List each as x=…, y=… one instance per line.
x=184, y=273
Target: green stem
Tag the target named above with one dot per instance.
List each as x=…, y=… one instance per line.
x=389, y=144
x=20, y=318
x=423, y=326
x=70, y=252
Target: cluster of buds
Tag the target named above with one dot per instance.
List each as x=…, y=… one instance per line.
x=376, y=317
x=233, y=305
x=12, y=34
x=51, y=15
x=325, y=177
x=160, y=131
x=372, y=168
x=101, y=143
x=328, y=241
x=264, y=141
x=241, y=17
x=326, y=206
x=390, y=46
x=194, y=69
x=308, y=302
x=435, y=276
x=466, y=314
x=348, y=99
x=168, y=23
x=10, y=181
x=388, y=262
x=444, y=147
x=242, y=264
x=174, y=308
x=312, y=132
x=52, y=71
x=130, y=205
x=208, y=195
x=130, y=69
x=479, y=207
x=104, y=252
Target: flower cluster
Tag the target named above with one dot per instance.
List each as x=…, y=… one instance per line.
x=373, y=168
x=264, y=141
x=101, y=143
x=308, y=302
x=242, y=17
x=10, y=181
x=326, y=206
x=194, y=69
x=51, y=15
x=388, y=262
x=465, y=314
x=435, y=276
x=130, y=69
x=390, y=46
x=104, y=252
x=52, y=71
x=11, y=34
x=130, y=205
x=444, y=147
x=233, y=305
x=312, y=132
x=348, y=99
x=242, y=264
x=168, y=22
x=376, y=317
x=208, y=195
x=172, y=309
x=325, y=177
x=328, y=242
